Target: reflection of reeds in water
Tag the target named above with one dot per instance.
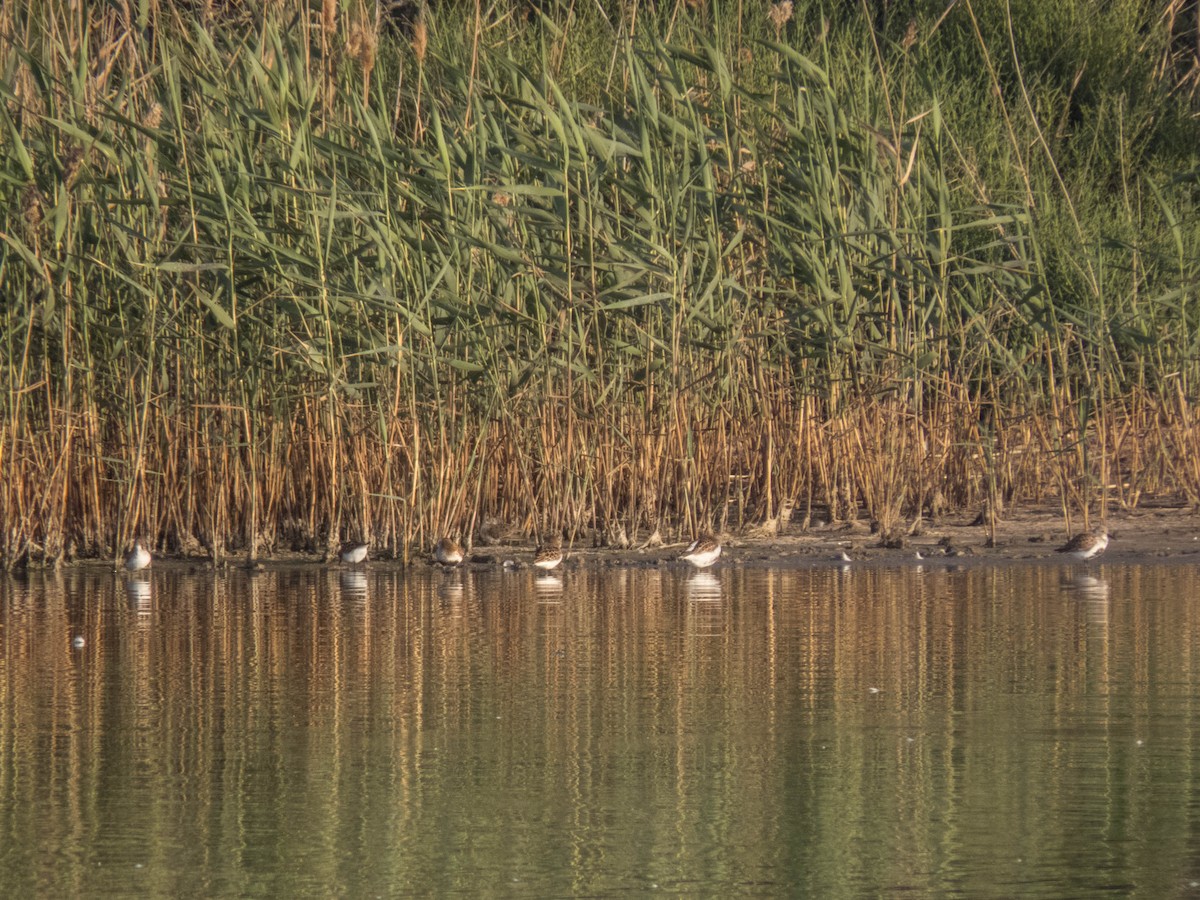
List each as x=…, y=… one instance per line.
x=280, y=678
x=273, y=305
x=1097, y=611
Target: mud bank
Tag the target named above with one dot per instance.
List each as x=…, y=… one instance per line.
x=1029, y=536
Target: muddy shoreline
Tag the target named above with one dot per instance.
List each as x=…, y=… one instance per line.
x=1029, y=536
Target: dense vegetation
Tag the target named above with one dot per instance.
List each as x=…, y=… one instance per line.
x=277, y=276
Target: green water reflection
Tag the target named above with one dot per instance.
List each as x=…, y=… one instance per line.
x=1024, y=731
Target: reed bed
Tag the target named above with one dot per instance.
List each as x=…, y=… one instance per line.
x=279, y=277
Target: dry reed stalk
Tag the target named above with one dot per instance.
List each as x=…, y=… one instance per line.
x=420, y=44
x=361, y=45
x=872, y=474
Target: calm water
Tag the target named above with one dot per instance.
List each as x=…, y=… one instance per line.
x=1020, y=731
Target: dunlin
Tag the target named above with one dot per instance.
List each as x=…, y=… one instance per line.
x=138, y=558
x=1086, y=545
x=353, y=552
x=495, y=531
x=549, y=555
x=448, y=552
x=703, y=551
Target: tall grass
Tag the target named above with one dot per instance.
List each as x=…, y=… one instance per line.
x=277, y=279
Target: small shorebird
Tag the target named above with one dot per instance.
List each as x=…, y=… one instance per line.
x=703, y=551
x=549, y=555
x=138, y=558
x=448, y=552
x=353, y=552
x=1086, y=545
x=495, y=531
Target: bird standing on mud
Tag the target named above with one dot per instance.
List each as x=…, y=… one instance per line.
x=138, y=558
x=703, y=551
x=448, y=552
x=1086, y=545
x=353, y=552
x=549, y=555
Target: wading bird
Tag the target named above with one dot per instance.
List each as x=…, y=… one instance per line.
x=1086, y=545
x=703, y=551
x=138, y=558
x=353, y=552
x=549, y=555
x=448, y=552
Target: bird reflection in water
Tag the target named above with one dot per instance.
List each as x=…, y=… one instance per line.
x=137, y=588
x=451, y=590
x=703, y=586
x=548, y=588
x=353, y=584
x=1094, y=592
x=1090, y=586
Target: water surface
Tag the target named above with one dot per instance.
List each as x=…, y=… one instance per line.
x=1017, y=731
